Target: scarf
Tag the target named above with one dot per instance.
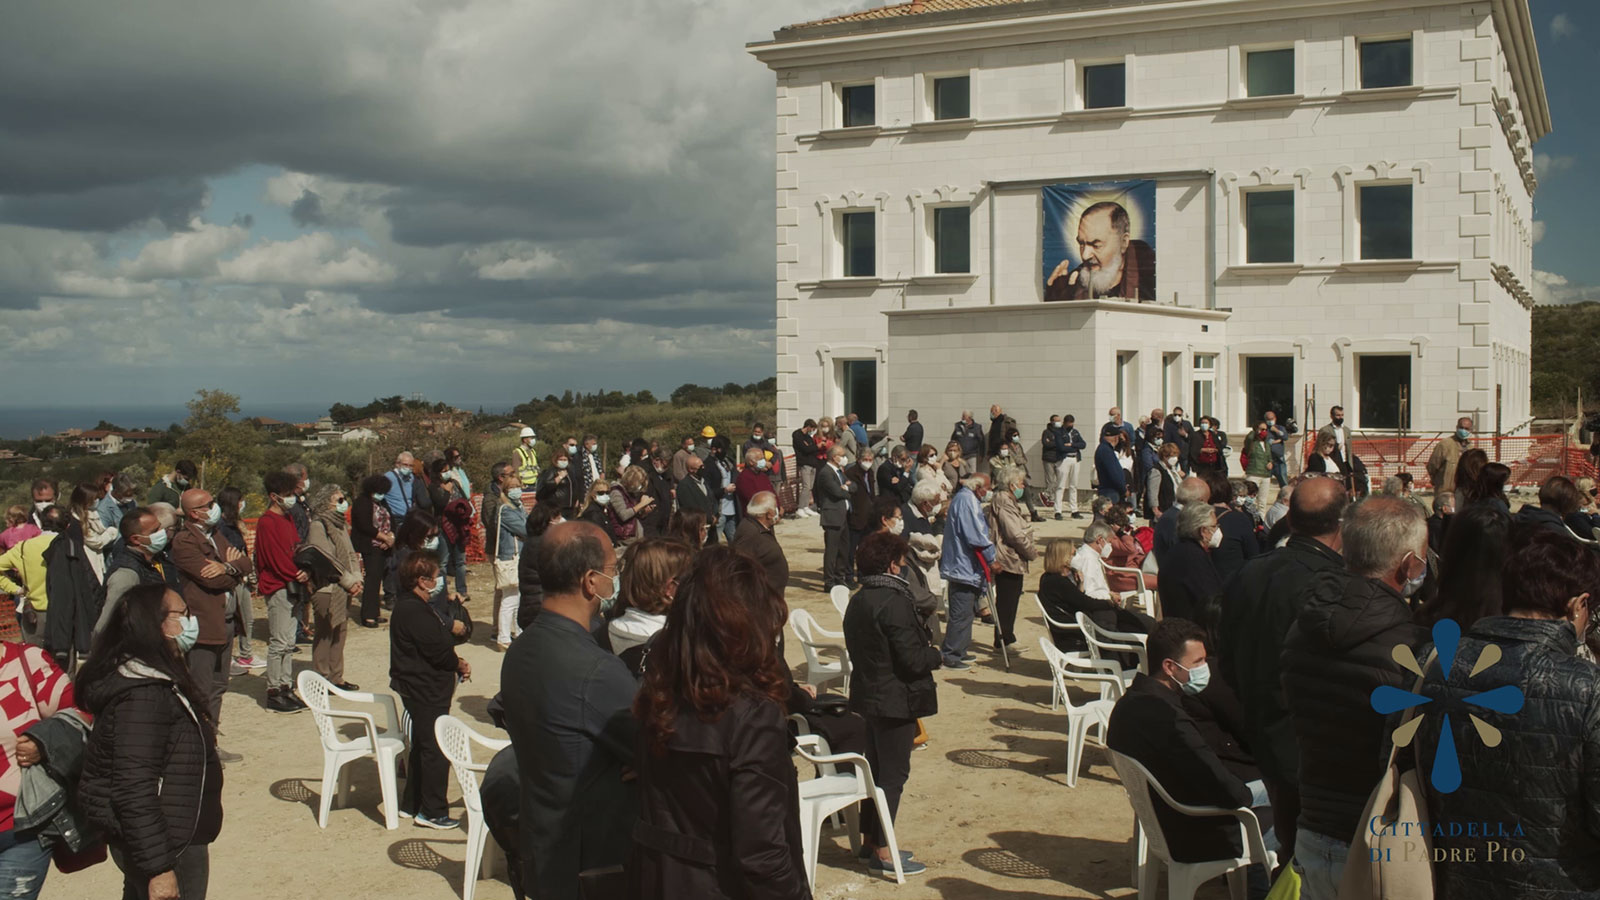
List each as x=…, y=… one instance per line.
x=891, y=582
x=332, y=519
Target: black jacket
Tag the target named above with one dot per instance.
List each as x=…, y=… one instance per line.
x=969, y=436
x=696, y=494
x=151, y=781
x=1544, y=776
x=758, y=541
x=1530, y=515
x=719, y=811
x=894, y=482
x=531, y=591
x=1190, y=588
x=565, y=494
x=1150, y=725
x=891, y=655
x=862, y=498
x=422, y=653
x=1063, y=599
x=1257, y=610
x=805, y=450
x=75, y=593
x=1336, y=652
x=1166, y=534
x=1239, y=543
x=659, y=486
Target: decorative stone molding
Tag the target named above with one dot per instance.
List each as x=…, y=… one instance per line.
x=1507, y=279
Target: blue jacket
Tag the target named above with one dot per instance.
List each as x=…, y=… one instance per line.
x=111, y=511
x=1276, y=434
x=1069, y=443
x=402, y=495
x=1108, y=466
x=966, y=533
x=860, y=431
x=513, y=525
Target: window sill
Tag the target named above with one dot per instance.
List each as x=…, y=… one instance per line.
x=1271, y=101
x=842, y=282
x=1103, y=112
x=858, y=131
x=945, y=278
x=1402, y=92
x=1381, y=265
x=1248, y=269
x=945, y=124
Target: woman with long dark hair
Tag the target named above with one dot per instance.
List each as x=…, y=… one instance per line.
x=1469, y=585
x=372, y=534
x=1489, y=487
x=151, y=780
x=713, y=756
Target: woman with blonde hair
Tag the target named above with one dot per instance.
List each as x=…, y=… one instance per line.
x=630, y=501
x=593, y=507
x=950, y=465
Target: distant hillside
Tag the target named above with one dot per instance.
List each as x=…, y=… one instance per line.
x=1566, y=357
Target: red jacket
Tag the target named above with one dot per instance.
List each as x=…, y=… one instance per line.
x=275, y=541
x=750, y=483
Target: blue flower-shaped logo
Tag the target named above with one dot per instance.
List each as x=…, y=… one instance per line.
x=1507, y=699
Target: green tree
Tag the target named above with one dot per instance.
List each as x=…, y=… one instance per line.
x=220, y=446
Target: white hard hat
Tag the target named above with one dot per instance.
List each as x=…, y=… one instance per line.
x=526, y=432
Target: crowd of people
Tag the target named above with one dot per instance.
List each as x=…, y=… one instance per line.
x=644, y=684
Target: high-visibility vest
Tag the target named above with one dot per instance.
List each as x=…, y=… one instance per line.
x=528, y=472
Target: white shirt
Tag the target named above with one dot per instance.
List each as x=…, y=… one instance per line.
x=1086, y=562
x=633, y=628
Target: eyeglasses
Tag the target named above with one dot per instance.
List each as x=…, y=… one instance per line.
x=177, y=613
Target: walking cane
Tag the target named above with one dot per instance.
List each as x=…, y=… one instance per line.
x=988, y=583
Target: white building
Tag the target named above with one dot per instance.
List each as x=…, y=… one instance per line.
x=1341, y=211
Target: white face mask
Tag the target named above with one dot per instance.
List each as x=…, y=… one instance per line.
x=898, y=526
x=1005, y=451
x=1215, y=540
x=1105, y=551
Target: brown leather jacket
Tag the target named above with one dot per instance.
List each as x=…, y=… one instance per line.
x=207, y=597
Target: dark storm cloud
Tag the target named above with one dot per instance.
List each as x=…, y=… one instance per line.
x=307, y=210
x=173, y=201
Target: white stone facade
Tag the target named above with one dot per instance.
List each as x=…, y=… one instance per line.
x=1461, y=135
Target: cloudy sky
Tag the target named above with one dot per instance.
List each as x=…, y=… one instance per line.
x=478, y=200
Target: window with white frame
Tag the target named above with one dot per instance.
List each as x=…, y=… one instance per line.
x=1384, y=62
x=1268, y=225
x=951, y=97
x=952, y=240
x=858, y=243
x=1383, y=220
x=858, y=388
x=1171, y=378
x=1204, y=378
x=1269, y=73
x=858, y=105
x=1105, y=85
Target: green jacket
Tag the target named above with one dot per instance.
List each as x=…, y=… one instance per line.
x=1259, y=454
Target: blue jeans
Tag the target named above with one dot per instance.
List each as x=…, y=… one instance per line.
x=1320, y=861
x=23, y=865
x=456, y=561
x=730, y=524
x=958, y=630
x=1280, y=471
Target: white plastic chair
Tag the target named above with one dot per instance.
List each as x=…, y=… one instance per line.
x=1183, y=879
x=1103, y=645
x=825, y=795
x=385, y=745
x=840, y=595
x=1143, y=596
x=1055, y=690
x=1094, y=713
x=813, y=639
x=1580, y=538
x=456, y=740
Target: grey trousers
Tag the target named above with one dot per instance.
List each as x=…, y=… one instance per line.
x=208, y=666
x=281, y=621
x=245, y=615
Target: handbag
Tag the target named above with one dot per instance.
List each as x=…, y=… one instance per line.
x=1391, y=866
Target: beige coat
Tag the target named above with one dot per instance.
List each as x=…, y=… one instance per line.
x=1442, y=464
x=1013, y=540
x=335, y=544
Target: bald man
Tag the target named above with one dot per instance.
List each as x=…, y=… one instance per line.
x=1260, y=605
x=211, y=569
x=570, y=719
x=1190, y=490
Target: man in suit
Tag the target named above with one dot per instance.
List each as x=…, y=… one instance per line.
x=863, y=491
x=1175, y=430
x=693, y=493
x=894, y=476
x=755, y=537
x=833, y=500
x=913, y=436
x=1151, y=725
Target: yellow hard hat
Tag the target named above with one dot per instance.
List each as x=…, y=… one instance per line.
x=708, y=432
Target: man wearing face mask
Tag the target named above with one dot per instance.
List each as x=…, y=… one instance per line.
x=755, y=537
x=173, y=484
x=1111, y=477
x=966, y=538
x=195, y=548
x=405, y=492
x=276, y=539
x=139, y=558
x=1153, y=725
x=44, y=497
x=26, y=561
x=117, y=501
x=833, y=499
x=589, y=462
x=1447, y=454
x=570, y=720
x=1335, y=654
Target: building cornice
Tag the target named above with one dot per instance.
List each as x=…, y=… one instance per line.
x=1515, y=25
x=1068, y=306
x=1508, y=280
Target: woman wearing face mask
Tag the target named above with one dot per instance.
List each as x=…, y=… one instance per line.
x=151, y=781
x=424, y=670
x=630, y=502
x=888, y=516
x=419, y=536
x=650, y=579
x=1323, y=462
x=727, y=485
x=593, y=508
x=1188, y=580
x=1161, y=485
x=559, y=485
x=931, y=468
x=1257, y=457
x=229, y=529
x=372, y=534
x=1205, y=448
x=1014, y=548
x=1542, y=767
x=330, y=605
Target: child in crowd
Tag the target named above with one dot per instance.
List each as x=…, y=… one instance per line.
x=18, y=528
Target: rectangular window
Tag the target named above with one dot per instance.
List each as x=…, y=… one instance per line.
x=952, y=97
x=1385, y=63
x=858, y=234
x=858, y=105
x=952, y=236
x=1384, y=383
x=859, y=380
x=1105, y=87
x=1269, y=226
x=1269, y=72
x=1205, y=384
x=1383, y=212
x=1171, y=378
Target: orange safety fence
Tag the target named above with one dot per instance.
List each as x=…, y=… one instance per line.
x=1532, y=458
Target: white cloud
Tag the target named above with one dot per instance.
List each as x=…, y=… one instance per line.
x=512, y=261
x=1562, y=26
x=1538, y=230
x=1545, y=165
x=1549, y=288
x=312, y=260
x=186, y=254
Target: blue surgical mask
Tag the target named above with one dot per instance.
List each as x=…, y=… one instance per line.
x=1199, y=677
x=157, y=541
x=514, y=494
x=1413, y=585
x=606, y=603
x=342, y=507
x=288, y=502
x=190, y=633
x=431, y=543
x=1018, y=492
x=1464, y=434
x=214, y=515
x=1205, y=426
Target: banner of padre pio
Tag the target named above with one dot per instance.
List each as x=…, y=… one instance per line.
x=1100, y=241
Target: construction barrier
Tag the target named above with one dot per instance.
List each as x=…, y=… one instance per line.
x=1532, y=458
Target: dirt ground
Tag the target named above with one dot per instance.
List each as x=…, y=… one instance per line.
x=987, y=807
